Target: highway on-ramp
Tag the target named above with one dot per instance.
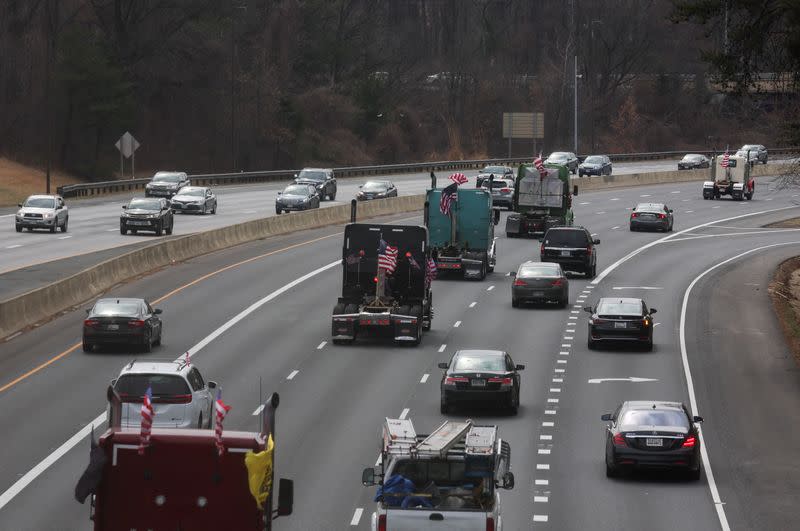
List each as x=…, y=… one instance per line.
x=265, y=320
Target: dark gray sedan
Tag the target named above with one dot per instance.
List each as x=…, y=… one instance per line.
x=123, y=321
x=694, y=161
x=540, y=282
x=297, y=197
x=595, y=165
x=376, y=190
x=195, y=199
x=625, y=320
x=651, y=216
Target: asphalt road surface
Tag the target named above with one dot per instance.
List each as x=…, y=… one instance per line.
x=333, y=398
x=94, y=224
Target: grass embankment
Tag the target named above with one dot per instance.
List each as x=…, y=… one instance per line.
x=785, y=293
x=18, y=181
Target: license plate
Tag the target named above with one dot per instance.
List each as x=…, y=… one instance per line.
x=113, y=327
x=478, y=382
x=138, y=223
x=566, y=253
x=620, y=325
x=537, y=294
x=654, y=442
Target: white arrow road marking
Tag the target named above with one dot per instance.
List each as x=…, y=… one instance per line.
x=634, y=379
x=636, y=287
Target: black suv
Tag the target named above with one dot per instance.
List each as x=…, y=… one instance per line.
x=321, y=178
x=151, y=214
x=572, y=247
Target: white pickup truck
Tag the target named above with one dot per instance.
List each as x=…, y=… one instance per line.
x=448, y=480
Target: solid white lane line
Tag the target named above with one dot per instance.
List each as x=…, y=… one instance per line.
x=472, y=304
x=457, y=324
x=542, y=466
x=404, y=414
x=539, y=517
x=636, y=287
x=490, y=288
x=424, y=378
x=321, y=345
x=712, y=485
x=292, y=375
x=548, y=425
x=444, y=346
x=73, y=441
x=258, y=410
x=357, y=516
x=13, y=246
x=607, y=271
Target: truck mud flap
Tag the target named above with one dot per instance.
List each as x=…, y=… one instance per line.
x=406, y=328
x=344, y=326
x=512, y=224
x=472, y=268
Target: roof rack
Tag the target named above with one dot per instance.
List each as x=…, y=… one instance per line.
x=443, y=438
x=450, y=438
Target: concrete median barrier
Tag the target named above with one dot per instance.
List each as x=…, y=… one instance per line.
x=40, y=304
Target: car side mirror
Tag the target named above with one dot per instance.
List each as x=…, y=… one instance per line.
x=596, y=241
x=508, y=481
x=587, y=309
x=88, y=310
x=443, y=365
x=368, y=477
x=19, y=205
x=124, y=207
x=670, y=211
x=361, y=186
x=520, y=367
x=212, y=384
x=285, y=496
x=652, y=311
x=606, y=417
x=158, y=311
x=697, y=418
x=114, y=382
x=513, y=274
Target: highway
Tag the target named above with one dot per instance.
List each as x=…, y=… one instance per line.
x=268, y=319
x=94, y=225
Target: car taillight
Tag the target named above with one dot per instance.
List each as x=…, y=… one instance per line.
x=489, y=523
x=619, y=440
x=662, y=216
x=382, y=522
x=91, y=322
x=646, y=322
x=541, y=249
x=455, y=379
x=172, y=399
x=634, y=214
x=689, y=442
x=135, y=323
x=520, y=282
x=502, y=381
x=505, y=190
x=557, y=283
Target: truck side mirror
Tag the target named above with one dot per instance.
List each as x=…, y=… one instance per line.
x=368, y=477
x=285, y=496
x=508, y=480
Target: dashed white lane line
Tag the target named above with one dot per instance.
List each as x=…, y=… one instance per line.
x=685, y=200
x=615, y=228
x=573, y=318
x=558, y=380
x=539, y=517
x=444, y=346
x=541, y=481
x=549, y=411
x=675, y=192
x=544, y=451
x=585, y=203
x=559, y=370
x=555, y=390
x=715, y=206
x=552, y=400
x=472, y=304
x=542, y=466
x=575, y=311
x=563, y=352
x=112, y=230
x=566, y=345
x=404, y=414
x=490, y=288
x=590, y=287
x=689, y=211
x=64, y=237
x=548, y=424
x=322, y=345
x=614, y=199
x=258, y=410
x=457, y=324
x=540, y=499
x=250, y=211
x=357, y=516
x=576, y=306
x=561, y=361
x=645, y=195
x=292, y=375
x=13, y=246
x=569, y=337
x=600, y=213
x=424, y=378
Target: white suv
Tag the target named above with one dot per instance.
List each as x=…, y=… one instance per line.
x=42, y=212
x=181, y=397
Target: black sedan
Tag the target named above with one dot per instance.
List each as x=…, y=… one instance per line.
x=620, y=319
x=645, y=434
x=651, y=216
x=480, y=376
x=297, y=197
x=499, y=172
x=195, y=199
x=595, y=165
x=540, y=282
x=151, y=214
x=122, y=322
x=694, y=161
x=376, y=190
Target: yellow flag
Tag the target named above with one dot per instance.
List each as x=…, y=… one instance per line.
x=259, y=472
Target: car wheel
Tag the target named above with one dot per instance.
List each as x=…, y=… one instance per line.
x=148, y=344
x=590, y=343
x=214, y=210
x=278, y=211
x=514, y=303
x=64, y=226
x=159, y=228
x=53, y=226
x=444, y=407
x=123, y=230
x=564, y=302
x=648, y=347
x=134, y=231
x=611, y=471
x=200, y=422
x=169, y=229
x=694, y=475
x=513, y=404
x=87, y=347
x=158, y=339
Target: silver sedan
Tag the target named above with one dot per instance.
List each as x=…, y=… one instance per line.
x=195, y=199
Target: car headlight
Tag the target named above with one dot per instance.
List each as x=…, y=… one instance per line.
x=48, y=215
x=151, y=216
x=124, y=215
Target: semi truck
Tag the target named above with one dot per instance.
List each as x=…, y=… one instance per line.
x=377, y=301
x=462, y=242
x=730, y=175
x=449, y=479
x=181, y=479
x=541, y=200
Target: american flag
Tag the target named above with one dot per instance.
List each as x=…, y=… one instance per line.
x=726, y=158
x=458, y=178
x=147, y=421
x=449, y=195
x=188, y=358
x=387, y=257
x=222, y=409
x=412, y=262
x=539, y=163
x=430, y=272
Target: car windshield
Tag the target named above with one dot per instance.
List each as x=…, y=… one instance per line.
x=497, y=170
x=750, y=146
x=650, y=208
x=145, y=204
x=496, y=185
x=479, y=363
x=167, y=178
x=160, y=385
x=692, y=157
x=199, y=192
x=558, y=156
x=542, y=270
x=375, y=186
x=619, y=308
x=595, y=159
x=297, y=189
x=654, y=417
x=110, y=308
x=314, y=175
x=566, y=238
x=40, y=202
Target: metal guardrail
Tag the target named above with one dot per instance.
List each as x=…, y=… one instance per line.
x=205, y=179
